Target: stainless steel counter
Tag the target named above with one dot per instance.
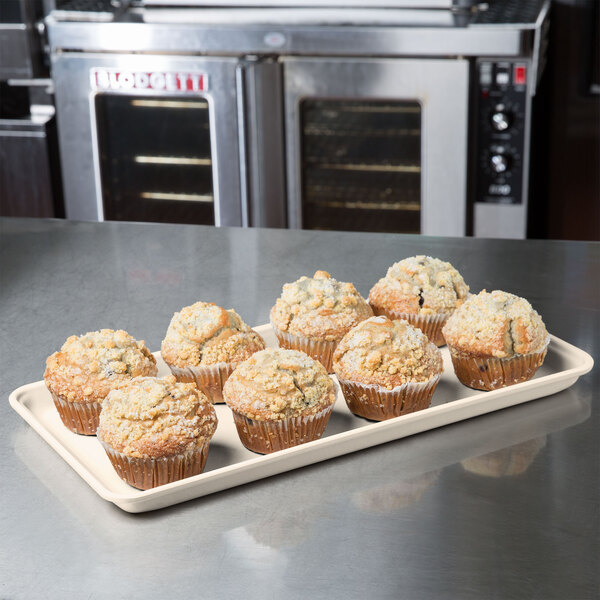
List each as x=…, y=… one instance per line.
x=500, y=506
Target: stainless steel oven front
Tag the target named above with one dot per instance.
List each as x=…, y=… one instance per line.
x=372, y=144
x=408, y=121
x=150, y=138
x=377, y=144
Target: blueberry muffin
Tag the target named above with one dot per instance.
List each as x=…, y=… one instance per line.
x=156, y=431
x=279, y=398
x=87, y=368
x=204, y=343
x=496, y=339
x=387, y=368
x=424, y=291
x=314, y=313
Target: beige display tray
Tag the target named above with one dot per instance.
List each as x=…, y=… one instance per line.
x=230, y=464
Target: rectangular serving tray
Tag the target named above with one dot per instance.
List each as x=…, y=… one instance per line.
x=230, y=464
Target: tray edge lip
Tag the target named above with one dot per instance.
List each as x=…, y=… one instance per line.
x=124, y=500
x=72, y=460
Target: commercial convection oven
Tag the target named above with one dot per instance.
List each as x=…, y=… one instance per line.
x=319, y=114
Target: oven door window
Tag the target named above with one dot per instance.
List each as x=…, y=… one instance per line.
x=155, y=158
x=361, y=165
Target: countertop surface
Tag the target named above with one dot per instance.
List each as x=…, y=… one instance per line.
x=512, y=515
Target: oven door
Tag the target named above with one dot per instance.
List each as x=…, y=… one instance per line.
x=377, y=144
x=149, y=138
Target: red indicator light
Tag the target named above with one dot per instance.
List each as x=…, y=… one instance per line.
x=520, y=75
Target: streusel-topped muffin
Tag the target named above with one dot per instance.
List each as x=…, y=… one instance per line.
x=387, y=368
x=204, y=343
x=156, y=431
x=496, y=339
x=279, y=398
x=87, y=368
x=423, y=290
x=314, y=313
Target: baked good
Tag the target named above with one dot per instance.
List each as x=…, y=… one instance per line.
x=156, y=431
x=496, y=339
x=204, y=343
x=314, y=313
x=279, y=398
x=387, y=368
x=423, y=290
x=87, y=368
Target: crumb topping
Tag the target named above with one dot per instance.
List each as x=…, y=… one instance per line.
x=279, y=384
x=387, y=353
x=206, y=334
x=496, y=324
x=319, y=307
x=87, y=367
x=420, y=285
x=150, y=417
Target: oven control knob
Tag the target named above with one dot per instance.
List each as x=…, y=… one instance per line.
x=501, y=120
x=499, y=163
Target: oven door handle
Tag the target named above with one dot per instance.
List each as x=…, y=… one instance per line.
x=261, y=142
x=242, y=137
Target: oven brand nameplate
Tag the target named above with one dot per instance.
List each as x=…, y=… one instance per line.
x=158, y=81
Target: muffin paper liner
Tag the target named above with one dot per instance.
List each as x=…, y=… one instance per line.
x=321, y=350
x=146, y=473
x=490, y=373
x=379, y=404
x=209, y=379
x=430, y=325
x=265, y=437
x=79, y=417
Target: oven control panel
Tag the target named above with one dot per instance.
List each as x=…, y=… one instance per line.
x=501, y=118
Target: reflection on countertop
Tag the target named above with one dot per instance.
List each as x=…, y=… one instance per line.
x=472, y=443
x=507, y=462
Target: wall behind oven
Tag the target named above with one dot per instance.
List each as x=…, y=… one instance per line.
x=565, y=174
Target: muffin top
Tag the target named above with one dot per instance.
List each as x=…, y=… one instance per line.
x=279, y=384
x=150, y=417
x=386, y=353
x=319, y=307
x=206, y=334
x=496, y=324
x=87, y=367
x=420, y=285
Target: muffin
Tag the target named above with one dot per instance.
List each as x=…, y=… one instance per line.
x=279, y=398
x=387, y=368
x=204, y=343
x=496, y=339
x=156, y=431
x=87, y=368
x=314, y=313
x=424, y=291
